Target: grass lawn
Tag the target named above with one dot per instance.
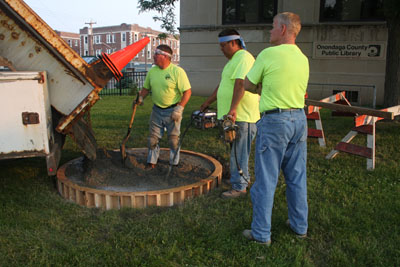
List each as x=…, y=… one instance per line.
x=354, y=214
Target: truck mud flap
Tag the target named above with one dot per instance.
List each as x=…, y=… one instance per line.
x=83, y=135
x=53, y=158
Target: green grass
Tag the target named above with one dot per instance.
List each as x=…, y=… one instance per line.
x=353, y=213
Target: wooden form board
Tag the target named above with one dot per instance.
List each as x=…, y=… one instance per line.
x=108, y=199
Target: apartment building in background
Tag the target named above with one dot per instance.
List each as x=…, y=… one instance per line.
x=73, y=40
x=97, y=40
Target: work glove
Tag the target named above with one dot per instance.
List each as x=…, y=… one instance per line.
x=138, y=101
x=176, y=115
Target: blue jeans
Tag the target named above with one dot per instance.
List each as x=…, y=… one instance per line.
x=281, y=143
x=244, y=137
x=160, y=119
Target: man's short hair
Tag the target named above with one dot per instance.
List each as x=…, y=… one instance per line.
x=165, y=48
x=291, y=20
x=228, y=32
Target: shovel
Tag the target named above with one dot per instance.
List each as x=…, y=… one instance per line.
x=123, y=152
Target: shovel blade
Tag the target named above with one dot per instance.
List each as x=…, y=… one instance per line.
x=169, y=171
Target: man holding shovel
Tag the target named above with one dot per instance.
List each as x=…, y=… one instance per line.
x=170, y=91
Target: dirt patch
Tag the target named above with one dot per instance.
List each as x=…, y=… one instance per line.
x=108, y=172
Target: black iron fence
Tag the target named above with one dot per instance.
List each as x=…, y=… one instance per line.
x=127, y=85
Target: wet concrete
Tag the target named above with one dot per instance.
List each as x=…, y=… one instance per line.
x=108, y=172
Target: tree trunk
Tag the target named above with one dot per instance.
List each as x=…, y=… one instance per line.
x=392, y=80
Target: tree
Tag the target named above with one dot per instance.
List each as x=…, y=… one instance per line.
x=166, y=10
x=392, y=80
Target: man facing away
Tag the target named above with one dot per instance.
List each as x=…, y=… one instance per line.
x=171, y=90
x=240, y=106
x=281, y=141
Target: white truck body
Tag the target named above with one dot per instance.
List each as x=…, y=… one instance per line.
x=25, y=114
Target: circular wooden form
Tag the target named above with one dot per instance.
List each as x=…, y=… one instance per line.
x=108, y=199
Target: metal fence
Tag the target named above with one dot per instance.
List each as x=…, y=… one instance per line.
x=357, y=94
x=127, y=85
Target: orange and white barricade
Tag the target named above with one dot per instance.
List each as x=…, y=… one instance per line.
x=313, y=114
x=364, y=124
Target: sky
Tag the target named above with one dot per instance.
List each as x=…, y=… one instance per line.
x=71, y=15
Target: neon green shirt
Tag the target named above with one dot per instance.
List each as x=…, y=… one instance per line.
x=237, y=68
x=283, y=71
x=166, y=85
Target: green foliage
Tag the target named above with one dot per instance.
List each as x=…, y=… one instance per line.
x=166, y=10
x=392, y=9
x=162, y=36
x=353, y=218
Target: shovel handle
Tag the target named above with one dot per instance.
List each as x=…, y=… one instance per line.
x=133, y=112
x=133, y=116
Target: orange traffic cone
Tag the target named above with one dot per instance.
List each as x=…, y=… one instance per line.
x=118, y=60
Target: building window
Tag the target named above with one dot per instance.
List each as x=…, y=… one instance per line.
x=70, y=43
x=136, y=37
x=86, y=40
x=76, y=42
x=97, y=39
x=109, y=51
x=352, y=96
x=110, y=38
x=355, y=10
x=86, y=53
x=148, y=54
x=98, y=52
x=248, y=11
x=123, y=37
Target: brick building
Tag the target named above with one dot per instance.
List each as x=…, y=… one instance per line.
x=73, y=40
x=113, y=38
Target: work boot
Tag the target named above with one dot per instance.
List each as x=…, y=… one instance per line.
x=150, y=166
x=247, y=234
x=233, y=193
x=300, y=236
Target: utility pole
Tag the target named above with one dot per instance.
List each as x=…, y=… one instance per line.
x=144, y=34
x=91, y=46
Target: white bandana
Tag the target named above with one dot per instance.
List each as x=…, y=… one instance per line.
x=158, y=51
x=232, y=37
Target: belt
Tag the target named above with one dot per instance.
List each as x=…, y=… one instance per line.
x=279, y=110
x=166, y=107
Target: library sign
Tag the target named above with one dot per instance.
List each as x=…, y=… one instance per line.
x=371, y=51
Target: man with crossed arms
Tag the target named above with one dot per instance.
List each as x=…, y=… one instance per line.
x=281, y=141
